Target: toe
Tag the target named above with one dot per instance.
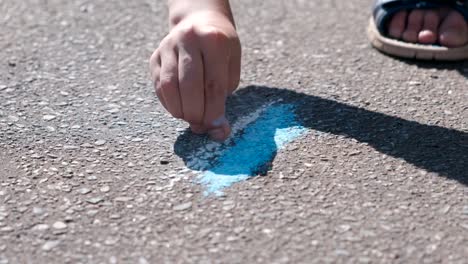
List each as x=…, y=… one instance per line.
x=428, y=33
x=414, y=25
x=397, y=24
x=453, y=30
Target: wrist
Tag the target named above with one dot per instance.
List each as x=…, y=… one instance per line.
x=180, y=10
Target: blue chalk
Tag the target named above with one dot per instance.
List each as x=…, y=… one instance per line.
x=255, y=147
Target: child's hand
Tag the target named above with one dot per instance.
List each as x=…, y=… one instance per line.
x=194, y=69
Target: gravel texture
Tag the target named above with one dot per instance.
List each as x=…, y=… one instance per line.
x=93, y=170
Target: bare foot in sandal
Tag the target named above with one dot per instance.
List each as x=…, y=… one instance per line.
x=441, y=26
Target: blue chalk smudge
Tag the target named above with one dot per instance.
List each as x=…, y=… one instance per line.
x=254, y=148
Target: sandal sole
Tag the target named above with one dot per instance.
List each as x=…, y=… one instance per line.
x=413, y=51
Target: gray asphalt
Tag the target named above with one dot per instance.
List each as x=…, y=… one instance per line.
x=93, y=169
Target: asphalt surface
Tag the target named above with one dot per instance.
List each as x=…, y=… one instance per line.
x=93, y=170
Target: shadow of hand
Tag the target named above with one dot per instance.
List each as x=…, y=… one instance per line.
x=433, y=148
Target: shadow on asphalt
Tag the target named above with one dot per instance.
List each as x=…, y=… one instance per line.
x=432, y=148
x=461, y=67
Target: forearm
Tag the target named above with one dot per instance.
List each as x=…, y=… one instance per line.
x=180, y=9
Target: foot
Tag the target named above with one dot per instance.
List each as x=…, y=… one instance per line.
x=443, y=26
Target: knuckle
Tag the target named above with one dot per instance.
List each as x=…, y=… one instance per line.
x=215, y=34
x=163, y=43
x=167, y=43
x=186, y=61
x=167, y=82
x=187, y=32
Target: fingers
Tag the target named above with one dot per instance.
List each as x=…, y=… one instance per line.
x=169, y=82
x=234, y=67
x=215, y=59
x=155, y=71
x=194, y=69
x=191, y=85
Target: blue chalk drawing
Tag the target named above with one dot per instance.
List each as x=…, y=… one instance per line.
x=252, y=149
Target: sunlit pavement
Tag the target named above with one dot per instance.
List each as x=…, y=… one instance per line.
x=339, y=154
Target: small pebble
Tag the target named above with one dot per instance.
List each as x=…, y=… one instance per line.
x=95, y=200
x=415, y=83
x=465, y=210
x=6, y=229
x=115, y=216
x=37, y=210
x=87, y=145
x=49, y=245
x=49, y=117
x=70, y=147
x=123, y=199
x=59, y=225
x=100, y=142
x=445, y=209
x=68, y=175
x=84, y=191
x=111, y=241
x=228, y=205
x=13, y=119
x=142, y=260
x=354, y=153
x=92, y=212
x=40, y=227
x=36, y=156
x=183, y=207
x=91, y=178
